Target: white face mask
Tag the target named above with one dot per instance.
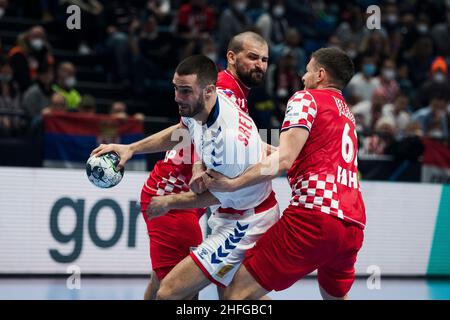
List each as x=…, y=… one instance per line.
x=422, y=28
x=392, y=18
x=240, y=6
x=5, y=78
x=439, y=77
x=70, y=82
x=2, y=12
x=278, y=11
x=389, y=74
x=352, y=53
x=37, y=44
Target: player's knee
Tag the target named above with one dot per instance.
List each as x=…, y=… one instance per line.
x=233, y=293
x=165, y=292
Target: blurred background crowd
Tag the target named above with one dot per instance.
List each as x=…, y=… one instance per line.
x=122, y=59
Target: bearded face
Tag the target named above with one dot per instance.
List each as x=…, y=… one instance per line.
x=251, y=77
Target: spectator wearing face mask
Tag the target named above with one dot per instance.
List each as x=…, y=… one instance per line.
x=364, y=82
x=31, y=51
x=65, y=83
x=437, y=82
x=291, y=43
x=273, y=24
x=388, y=86
x=232, y=21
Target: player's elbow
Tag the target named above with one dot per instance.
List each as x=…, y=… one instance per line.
x=285, y=164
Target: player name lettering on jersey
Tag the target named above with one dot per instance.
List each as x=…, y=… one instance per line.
x=347, y=178
x=245, y=128
x=344, y=110
x=228, y=142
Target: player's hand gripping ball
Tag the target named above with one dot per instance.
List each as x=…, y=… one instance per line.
x=102, y=171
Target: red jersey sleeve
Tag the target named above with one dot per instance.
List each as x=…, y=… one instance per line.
x=300, y=112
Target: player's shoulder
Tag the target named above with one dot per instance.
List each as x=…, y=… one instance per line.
x=303, y=97
x=227, y=96
x=302, y=94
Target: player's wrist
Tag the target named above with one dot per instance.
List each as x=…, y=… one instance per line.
x=133, y=148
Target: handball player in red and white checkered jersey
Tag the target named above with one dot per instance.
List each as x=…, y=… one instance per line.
x=322, y=228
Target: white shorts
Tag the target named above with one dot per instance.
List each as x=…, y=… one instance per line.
x=221, y=254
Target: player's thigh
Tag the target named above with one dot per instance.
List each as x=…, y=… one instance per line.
x=183, y=282
x=337, y=276
x=244, y=286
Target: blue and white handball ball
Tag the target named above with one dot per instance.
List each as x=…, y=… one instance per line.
x=102, y=171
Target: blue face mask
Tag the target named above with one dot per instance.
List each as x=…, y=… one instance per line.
x=5, y=78
x=369, y=69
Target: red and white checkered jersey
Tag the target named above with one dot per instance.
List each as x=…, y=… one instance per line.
x=170, y=176
x=233, y=88
x=324, y=176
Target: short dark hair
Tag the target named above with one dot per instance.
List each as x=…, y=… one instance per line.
x=200, y=65
x=337, y=63
x=236, y=43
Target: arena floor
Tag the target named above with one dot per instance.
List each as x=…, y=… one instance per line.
x=94, y=288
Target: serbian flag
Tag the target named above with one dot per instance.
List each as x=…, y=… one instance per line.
x=69, y=138
x=436, y=162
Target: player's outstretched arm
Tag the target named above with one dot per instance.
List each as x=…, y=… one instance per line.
x=158, y=142
x=186, y=200
x=291, y=143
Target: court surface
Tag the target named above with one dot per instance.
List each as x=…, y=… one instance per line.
x=93, y=288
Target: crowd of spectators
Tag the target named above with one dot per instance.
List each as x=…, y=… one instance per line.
x=400, y=91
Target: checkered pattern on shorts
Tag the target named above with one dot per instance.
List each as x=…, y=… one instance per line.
x=317, y=191
x=301, y=111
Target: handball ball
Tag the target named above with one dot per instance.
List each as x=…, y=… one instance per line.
x=102, y=171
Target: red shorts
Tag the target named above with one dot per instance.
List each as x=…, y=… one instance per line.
x=171, y=236
x=302, y=241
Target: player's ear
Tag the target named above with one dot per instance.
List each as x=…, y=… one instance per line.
x=210, y=89
x=321, y=75
x=231, y=57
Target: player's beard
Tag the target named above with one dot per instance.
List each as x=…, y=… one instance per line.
x=191, y=111
x=253, y=78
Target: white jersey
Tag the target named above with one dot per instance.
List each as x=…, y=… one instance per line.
x=229, y=143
